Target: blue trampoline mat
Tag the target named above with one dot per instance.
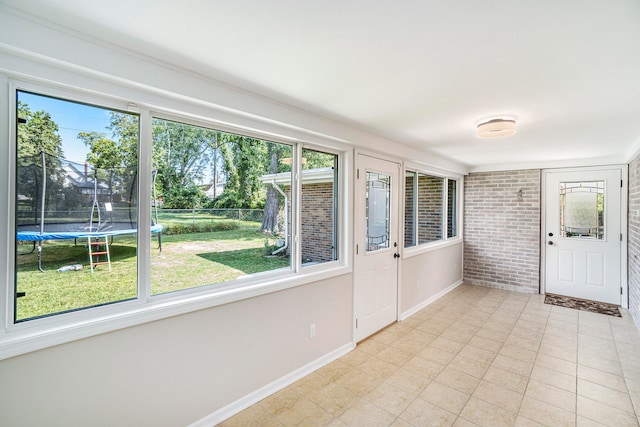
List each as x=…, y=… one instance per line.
x=77, y=231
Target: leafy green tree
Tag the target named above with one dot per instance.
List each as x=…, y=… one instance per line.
x=37, y=134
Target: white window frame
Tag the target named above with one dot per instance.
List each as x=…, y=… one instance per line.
x=35, y=334
x=445, y=241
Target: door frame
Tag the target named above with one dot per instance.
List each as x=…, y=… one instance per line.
x=398, y=225
x=624, y=207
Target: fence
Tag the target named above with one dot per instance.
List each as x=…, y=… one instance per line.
x=193, y=216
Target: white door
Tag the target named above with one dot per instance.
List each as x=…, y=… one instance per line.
x=376, y=245
x=583, y=234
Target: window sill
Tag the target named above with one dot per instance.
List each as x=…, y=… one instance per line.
x=38, y=334
x=430, y=247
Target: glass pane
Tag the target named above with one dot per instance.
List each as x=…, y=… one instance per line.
x=377, y=211
x=452, y=208
x=76, y=206
x=409, y=209
x=318, y=212
x=224, y=203
x=582, y=209
x=430, y=208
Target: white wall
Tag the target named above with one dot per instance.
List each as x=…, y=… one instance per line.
x=428, y=275
x=175, y=371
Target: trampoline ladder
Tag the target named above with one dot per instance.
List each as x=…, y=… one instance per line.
x=98, y=246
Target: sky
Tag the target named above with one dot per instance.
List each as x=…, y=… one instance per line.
x=71, y=118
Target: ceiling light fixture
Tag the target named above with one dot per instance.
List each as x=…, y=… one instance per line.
x=496, y=128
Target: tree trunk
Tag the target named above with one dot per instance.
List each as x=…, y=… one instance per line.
x=271, y=206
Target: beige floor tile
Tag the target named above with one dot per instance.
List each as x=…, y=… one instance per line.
x=604, y=414
x=356, y=357
x=555, y=396
x=492, y=335
x=378, y=368
x=395, y=356
x=304, y=412
x=392, y=399
x=557, y=379
x=458, y=334
x=446, y=344
x=545, y=414
x=364, y=413
x=510, y=364
x=525, y=422
x=399, y=422
x=556, y=341
x=423, y=367
x=423, y=413
x=634, y=393
x=586, y=422
x=333, y=398
x=445, y=397
x=603, y=378
x=523, y=342
x=506, y=379
x=485, y=343
x=472, y=367
x=420, y=336
x=410, y=346
x=568, y=354
x=498, y=396
x=358, y=382
x=594, y=361
x=282, y=401
x=518, y=353
x=479, y=354
x=407, y=380
x=485, y=414
x=371, y=346
x=437, y=355
x=556, y=364
x=254, y=416
x=605, y=395
x=458, y=380
x=461, y=422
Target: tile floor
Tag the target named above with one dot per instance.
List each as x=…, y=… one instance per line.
x=478, y=356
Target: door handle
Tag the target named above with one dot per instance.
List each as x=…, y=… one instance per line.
x=550, y=242
x=396, y=255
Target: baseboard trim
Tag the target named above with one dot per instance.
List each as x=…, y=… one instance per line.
x=254, y=397
x=423, y=304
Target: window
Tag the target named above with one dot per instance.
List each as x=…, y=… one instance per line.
x=429, y=209
x=319, y=207
x=76, y=206
x=222, y=209
x=221, y=202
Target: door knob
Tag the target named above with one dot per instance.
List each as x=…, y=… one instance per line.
x=396, y=255
x=550, y=242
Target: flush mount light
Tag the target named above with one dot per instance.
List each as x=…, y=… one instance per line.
x=496, y=128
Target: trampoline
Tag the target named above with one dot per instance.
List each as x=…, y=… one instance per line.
x=59, y=199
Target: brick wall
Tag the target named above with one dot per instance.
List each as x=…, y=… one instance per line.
x=430, y=200
x=409, y=208
x=634, y=240
x=502, y=230
x=317, y=221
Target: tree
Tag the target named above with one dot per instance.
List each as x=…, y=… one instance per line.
x=37, y=135
x=276, y=153
x=181, y=153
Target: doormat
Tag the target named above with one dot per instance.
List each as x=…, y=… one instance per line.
x=583, y=304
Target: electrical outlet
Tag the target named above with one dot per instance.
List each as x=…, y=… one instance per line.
x=312, y=330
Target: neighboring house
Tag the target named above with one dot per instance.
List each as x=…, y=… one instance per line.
x=318, y=209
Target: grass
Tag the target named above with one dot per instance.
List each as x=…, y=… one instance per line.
x=187, y=260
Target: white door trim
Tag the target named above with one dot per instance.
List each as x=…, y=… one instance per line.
x=624, y=193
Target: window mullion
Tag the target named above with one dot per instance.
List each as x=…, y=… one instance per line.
x=145, y=181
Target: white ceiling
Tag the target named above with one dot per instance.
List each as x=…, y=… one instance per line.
x=421, y=72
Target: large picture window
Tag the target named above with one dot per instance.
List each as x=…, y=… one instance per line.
x=430, y=209
x=223, y=213
x=76, y=206
x=223, y=208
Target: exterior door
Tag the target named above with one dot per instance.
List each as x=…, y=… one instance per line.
x=376, y=245
x=583, y=234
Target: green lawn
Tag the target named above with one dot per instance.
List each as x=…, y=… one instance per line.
x=187, y=260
